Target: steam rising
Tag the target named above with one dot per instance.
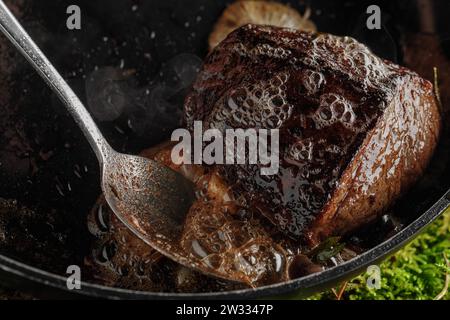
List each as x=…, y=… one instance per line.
x=111, y=94
x=107, y=93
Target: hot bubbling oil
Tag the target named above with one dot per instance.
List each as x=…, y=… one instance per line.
x=220, y=230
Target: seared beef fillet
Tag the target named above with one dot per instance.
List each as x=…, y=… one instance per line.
x=355, y=131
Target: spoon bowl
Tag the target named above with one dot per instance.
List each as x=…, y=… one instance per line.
x=151, y=200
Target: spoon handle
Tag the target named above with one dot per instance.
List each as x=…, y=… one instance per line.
x=20, y=38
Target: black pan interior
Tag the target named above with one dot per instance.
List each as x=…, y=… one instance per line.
x=47, y=165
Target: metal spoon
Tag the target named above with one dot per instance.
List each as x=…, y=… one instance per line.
x=150, y=199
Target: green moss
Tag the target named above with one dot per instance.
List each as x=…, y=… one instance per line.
x=416, y=272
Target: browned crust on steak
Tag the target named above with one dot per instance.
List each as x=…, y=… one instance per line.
x=355, y=131
x=392, y=157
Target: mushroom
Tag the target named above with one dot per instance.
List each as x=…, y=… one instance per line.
x=271, y=13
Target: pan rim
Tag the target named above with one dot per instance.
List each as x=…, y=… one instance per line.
x=346, y=269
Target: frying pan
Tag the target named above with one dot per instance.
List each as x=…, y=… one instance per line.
x=50, y=168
